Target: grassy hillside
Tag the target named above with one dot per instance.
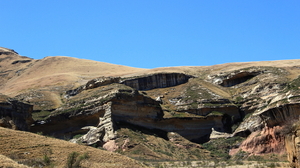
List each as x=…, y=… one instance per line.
x=34, y=150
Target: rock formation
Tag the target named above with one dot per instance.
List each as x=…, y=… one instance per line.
x=97, y=82
x=103, y=132
x=292, y=141
x=15, y=114
x=252, y=100
x=268, y=140
x=159, y=80
x=122, y=106
x=216, y=134
x=126, y=104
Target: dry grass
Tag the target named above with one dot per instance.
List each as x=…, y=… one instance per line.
x=52, y=76
x=68, y=71
x=6, y=162
x=59, y=70
x=28, y=146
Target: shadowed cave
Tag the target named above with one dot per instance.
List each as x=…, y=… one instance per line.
x=239, y=78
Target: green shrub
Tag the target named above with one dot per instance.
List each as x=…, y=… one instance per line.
x=294, y=85
x=46, y=160
x=74, y=159
x=219, y=148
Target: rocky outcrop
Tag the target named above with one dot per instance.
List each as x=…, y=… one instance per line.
x=124, y=110
x=125, y=104
x=231, y=110
x=234, y=78
x=216, y=107
x=270, y=117
x=15, y=115
x=268, y=140
x=103, y=132
x=292, y=145
x=148, y=82
x=94, y=83
x=101, y=115
x=193, y=129
x=216, y=134
x=160, y=80
x=21, y=61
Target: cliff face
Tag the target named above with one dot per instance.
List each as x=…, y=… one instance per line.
x=15, y=115
x=123, y=105
x=268, y=140
x=161, y=80
x=193, y=129
x=258, y=98
x=292, y=144
x=126, y=104
x=130, y=106
x=281, y=115
x=94, y=83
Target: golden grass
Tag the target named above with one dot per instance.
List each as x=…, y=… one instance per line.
x=28, y=146
x=52, y=71
x=49, y=72
x=6, y=162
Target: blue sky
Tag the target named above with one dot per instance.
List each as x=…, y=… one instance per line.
x=153, y=33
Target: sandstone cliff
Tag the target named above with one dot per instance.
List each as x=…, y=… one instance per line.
x=253, y=100
x=265, y=141
x=15, y=114
x=117, y=103
x=146, y=82
x=292, y=141
x=159, y=80
x=85, y=109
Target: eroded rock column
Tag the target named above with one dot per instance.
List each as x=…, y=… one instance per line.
x=103, y=132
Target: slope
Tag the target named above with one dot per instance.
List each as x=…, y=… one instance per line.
x=31, y=148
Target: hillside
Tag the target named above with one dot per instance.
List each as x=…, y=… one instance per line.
x=50, y=76
x=31, y=149
x=221, y=113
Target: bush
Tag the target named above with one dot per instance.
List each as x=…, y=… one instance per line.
x=74, y=159
x=219, y=148
x=46, y=160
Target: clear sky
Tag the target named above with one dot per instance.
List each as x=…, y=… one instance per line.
x=153, y=33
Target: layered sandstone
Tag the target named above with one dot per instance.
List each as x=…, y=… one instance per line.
x=268, y=140
x=194, y=102
x=15, y=114
x=292, y=144
x=159, y=80
x=146, y=82
x=117, y=103
x=270, y=117
x=126, y=104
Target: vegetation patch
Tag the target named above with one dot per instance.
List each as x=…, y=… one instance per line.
x=40, y=115
x=294, y=85
x=74, y=159
x=148, y=146
x=219, y=148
